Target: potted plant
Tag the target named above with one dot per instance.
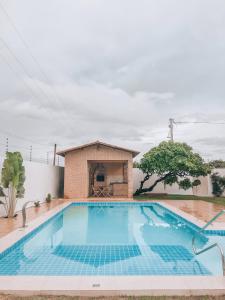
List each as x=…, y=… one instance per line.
x=37, y=204
x=48, y=199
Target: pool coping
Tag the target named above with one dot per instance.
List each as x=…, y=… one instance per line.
x=113, y=285
x=108, y=285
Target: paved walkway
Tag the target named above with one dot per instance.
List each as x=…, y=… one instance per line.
x=199, y=209
x=8, y=225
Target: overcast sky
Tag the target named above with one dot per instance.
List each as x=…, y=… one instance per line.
x=72, y=72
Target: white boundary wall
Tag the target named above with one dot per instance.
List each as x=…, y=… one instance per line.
x=205, y=189
x=40, y=180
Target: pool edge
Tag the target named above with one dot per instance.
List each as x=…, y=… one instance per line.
x=113, y=285
x=109, y=285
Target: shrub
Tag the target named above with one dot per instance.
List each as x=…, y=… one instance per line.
x=135, y=164
x=218, y=184
x=37, y=203
x=185, y=184
x=196, y=182
x=48, y=198
x=219, y=163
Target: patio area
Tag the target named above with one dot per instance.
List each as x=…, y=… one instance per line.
x=9, y=225
x=200, y=209
x=108, y=179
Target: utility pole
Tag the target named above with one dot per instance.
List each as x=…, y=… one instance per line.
x=30, y=153
x=54, y=155
x=171, y=123
x=7, y=145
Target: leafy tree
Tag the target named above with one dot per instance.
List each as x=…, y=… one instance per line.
x=13, y=177
x=219, y=163
x=172, y=163
x=218, y=184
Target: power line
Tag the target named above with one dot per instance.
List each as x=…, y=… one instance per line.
x=35, y=60
x=31, y=91
x=22, y=39
x=27, y=47
x=29, y=154
x=33, y=95
x=199, y=122
x=172, y=122
x=22, y=138
x=21, y=64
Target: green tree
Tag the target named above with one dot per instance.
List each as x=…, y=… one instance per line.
x=172, y=163
x=218, y=164
x=13, y=177
x=135, y=164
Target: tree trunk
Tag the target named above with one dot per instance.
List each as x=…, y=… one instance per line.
x=12, y=200
x=141, y=190
x=138, y=191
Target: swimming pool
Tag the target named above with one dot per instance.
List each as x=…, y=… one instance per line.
x=113, y=239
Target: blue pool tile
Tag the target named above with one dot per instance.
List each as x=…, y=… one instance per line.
x=51, y=250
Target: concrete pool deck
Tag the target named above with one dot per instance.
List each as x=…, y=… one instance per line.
x=113, y=285
x=105, y=285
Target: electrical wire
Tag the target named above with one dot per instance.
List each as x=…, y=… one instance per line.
x=28, y=48
x=31, y=91
x=21, y=64
x=199, y=122
x=6, y=133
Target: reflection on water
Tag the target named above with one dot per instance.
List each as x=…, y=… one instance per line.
x=116, y=240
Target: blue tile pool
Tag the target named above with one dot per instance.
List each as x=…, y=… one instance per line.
x=113, y=239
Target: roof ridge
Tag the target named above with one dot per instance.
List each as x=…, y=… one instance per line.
x=63, y=152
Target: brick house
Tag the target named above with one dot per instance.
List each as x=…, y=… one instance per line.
x=98, y=170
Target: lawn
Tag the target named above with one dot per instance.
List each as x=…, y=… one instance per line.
x=8, y=297
x=217, y=200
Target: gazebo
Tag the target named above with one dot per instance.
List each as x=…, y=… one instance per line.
x=98, y=170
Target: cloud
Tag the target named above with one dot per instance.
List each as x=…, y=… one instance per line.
x=211, y=141
x=116, y=71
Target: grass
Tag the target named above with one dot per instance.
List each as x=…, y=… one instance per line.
x=216, y=200
x=11, y=297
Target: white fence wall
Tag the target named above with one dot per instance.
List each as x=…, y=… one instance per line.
x=40, y=180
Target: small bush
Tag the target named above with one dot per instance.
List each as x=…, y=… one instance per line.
x=185, y=184
x=218, y=184
x=48, y=198
x=37, y=203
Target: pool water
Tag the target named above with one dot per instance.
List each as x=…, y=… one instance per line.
x=113, y=239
